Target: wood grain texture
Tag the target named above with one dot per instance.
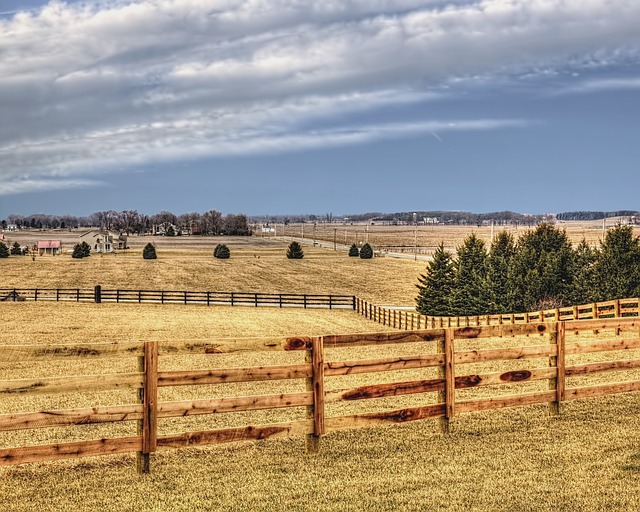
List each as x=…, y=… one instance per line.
x=60, y=451
x=71, y=384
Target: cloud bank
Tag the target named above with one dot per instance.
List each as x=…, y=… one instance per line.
x=91, y=87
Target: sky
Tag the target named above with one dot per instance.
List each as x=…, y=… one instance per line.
x=291, y=106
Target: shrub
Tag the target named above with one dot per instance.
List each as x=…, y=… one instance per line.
x=78, y=252
x=353, y=251
x=16, y=250
x=4, y=251
x=86, y=249
x=366, y=253
x=295, y=252
x=222, y=252
x=149, y=252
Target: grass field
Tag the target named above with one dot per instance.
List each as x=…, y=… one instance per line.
x=427, y=238
x=514, y=459
x=187, y=263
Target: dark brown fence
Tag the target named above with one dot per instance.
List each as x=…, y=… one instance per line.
x=99, y=294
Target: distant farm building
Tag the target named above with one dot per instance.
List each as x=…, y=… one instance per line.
x=104, y=241
x=268, y=229
x=52, y=247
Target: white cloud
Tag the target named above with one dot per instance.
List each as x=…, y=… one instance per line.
x=600, y=85
x=90, y=87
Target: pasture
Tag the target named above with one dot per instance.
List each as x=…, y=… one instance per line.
x=588, y=458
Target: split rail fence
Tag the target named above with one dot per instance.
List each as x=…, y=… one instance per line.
x=99, y=294
x=439, y=352
x=409, y=320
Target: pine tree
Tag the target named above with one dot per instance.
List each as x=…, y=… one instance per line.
x=541, y=269
x=149, y=252
x=584, y=282
x=222, y=252
x=4, y=250
x=86, y=249
x=78, y=252
x=295, y=252
x=470, y=295
x=353, y=251
x=366, y=252
x=500, y=254
x=436, y=285
x=617, y=268
x=16, y=250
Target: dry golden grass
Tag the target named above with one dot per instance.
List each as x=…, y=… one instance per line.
x=403, y=238
x=516, y=459
x=187, y=263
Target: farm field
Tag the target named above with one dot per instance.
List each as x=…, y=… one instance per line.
x=511, y=459
x=403, y=238
x=187, y=263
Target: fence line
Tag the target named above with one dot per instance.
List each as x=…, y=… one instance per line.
x=409, y=320
x=440, y=352
x=99, y=294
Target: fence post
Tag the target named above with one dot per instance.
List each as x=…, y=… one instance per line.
x=330, y=307
x=148, y=396
x=305, y=301
x=447, y=373
x=594, y=309
x=97, y=294
x=35, y=295
x=557, y=384
x=315, y=384
x=353, y=301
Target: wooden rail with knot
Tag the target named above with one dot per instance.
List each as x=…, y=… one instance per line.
x=440, y=397
x=402, y=318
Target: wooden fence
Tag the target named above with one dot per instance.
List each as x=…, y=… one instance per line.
x=99, y=294
x=439, y=352
x=409, y=320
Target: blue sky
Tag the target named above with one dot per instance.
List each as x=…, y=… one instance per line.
x=289, y=106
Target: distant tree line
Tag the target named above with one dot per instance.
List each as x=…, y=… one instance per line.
x=596, y=215
x=541, y=270
x=211, y=222
x=454, y=217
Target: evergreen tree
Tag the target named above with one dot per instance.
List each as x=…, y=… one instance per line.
x=149, y=252
x=541, y=269
x=222, y=252
x=435, y=286
x=353, y=251
x=502, y=250
x=16, y=250
x=617, y=268
x=470, y=295
x=170, y=231
x=4, y=250
x=366, y=252
x=86, y=249
x=78, y=252
x=295, y=252
x=583, y=282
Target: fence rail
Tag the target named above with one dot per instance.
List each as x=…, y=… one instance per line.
x=439, y=352
x=99, y=294
x=409, y=320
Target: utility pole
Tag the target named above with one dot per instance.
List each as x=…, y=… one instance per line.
x=415, y=237
x=335, y=248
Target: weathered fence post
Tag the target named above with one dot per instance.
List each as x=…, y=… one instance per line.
x=97, y=294
x=557, y=384
x=447, y=373
x=315, y=384
x=148, y=396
